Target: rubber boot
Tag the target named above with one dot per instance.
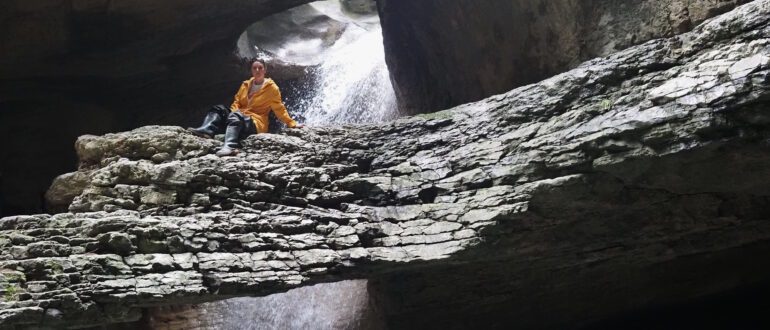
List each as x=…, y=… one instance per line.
x=232, y=136
x=213, y=123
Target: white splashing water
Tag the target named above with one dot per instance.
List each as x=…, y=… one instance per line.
x=331, y=306
x=352, y=83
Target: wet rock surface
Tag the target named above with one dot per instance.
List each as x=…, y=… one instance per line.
x=616, y=185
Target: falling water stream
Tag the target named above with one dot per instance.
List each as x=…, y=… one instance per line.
x=352, y=83
x=346, y=81
x=342, y=305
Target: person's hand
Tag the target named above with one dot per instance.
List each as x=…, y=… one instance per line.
x=299, y=126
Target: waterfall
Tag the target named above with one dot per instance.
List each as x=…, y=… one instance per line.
x=352, y=83
x=330, y=306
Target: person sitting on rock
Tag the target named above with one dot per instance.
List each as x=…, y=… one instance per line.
x=249, y=113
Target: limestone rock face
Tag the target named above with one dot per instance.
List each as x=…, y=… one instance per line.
x=634, y=180
x=444, y=53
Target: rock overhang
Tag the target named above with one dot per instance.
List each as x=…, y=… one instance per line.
x=610, y=164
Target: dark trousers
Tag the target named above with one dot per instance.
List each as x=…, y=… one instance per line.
x=235, y=125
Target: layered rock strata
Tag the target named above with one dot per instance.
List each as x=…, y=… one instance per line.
x=633, y=180
x=445, y=53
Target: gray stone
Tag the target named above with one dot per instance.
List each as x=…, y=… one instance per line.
x=432, y=46
x=119, y=243
x=749, y=65
x=560, y=195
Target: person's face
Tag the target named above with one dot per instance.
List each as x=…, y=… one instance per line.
x=257, y=70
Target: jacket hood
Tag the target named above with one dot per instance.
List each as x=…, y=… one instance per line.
x=268, y=81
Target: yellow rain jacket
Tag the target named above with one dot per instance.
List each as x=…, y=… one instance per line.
x=259, y=105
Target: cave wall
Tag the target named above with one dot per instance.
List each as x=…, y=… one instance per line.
x=445, y=53
x=74, y=67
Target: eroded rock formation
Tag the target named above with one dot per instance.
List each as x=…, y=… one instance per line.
x=103, y=66
x=633, y=180
x=106, y=66
x=445, y=53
